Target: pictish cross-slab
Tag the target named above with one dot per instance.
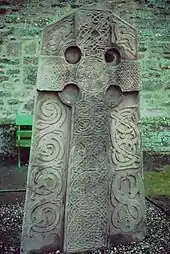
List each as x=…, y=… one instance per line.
x=85, y=187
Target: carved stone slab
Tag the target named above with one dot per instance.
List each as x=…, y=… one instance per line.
x=85, y=188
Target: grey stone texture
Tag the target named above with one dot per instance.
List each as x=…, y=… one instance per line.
x=85, y=188
x=21, y=28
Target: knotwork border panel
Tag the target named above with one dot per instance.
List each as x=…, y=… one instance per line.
x=127, y=202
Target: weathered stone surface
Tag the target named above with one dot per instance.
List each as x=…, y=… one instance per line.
x=30, y=47
x=78, y=3
x=30, y=60
x=14, y=48
x=32, y=16
x=49, y=177
x=3, y=93
x=85, y=187
x=30, y=74
x=13, y=72
x=4, y=78
x=9, y=61
x=14, y=101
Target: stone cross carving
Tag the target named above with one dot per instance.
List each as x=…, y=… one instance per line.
x=85, y=188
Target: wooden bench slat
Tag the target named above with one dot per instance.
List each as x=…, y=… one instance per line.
x=24, y=120
x=23, y=143
x=24, y=133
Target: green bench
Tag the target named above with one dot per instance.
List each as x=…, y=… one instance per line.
x=23, y=133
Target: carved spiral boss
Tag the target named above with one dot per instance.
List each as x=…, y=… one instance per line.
x=85, y=184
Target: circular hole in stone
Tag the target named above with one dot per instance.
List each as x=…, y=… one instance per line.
x=113, y=95
x=70, y=94
x=112, y=56
x=73, y=54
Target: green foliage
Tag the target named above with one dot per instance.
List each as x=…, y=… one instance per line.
x=157, y=183
x=155, y=134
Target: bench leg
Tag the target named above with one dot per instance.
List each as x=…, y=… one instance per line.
x=19, y=158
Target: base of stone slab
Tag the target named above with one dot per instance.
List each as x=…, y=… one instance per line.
x=53, y=246
x=93, y=250
x=116, y=240
x=11, y=207
x=125, y=239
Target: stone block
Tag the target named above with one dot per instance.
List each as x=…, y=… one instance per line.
x=28, y=105
x=5, y=93
x=16, y=80
x=14, y=101
x=13, y=71
x=2, y=71
x=10, y=61
x=30, y=60
x=14, y=48
x=19, y=93
x=78, y=3
x=148, y=84
x=30, y=75
x=1, y=101
x=1, y=50
x=29, y=47
x=28, y=30
x=3, y=78
x=6, y=31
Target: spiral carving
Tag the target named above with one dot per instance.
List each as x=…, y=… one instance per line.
x=45, y=217
x=50, y=112
x=47, y=181
x=47, y=171
x=50, y=147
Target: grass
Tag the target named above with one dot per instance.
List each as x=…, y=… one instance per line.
x=157, y=183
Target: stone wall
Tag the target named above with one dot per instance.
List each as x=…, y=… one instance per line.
x=21, y=23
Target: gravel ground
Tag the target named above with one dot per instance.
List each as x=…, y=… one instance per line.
x=157, y=240
x=163, y=202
